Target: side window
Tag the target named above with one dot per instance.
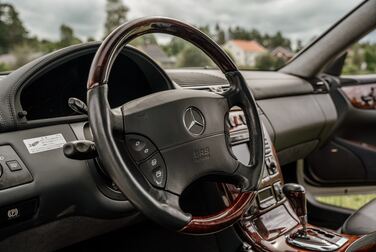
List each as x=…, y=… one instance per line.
x=361, y=57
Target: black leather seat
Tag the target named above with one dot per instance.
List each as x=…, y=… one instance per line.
x=362, y=221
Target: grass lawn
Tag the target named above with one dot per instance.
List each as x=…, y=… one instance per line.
x=347, y=201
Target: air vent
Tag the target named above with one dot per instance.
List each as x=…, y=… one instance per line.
x=218, y=89
x=320, y=85
x=196, y=79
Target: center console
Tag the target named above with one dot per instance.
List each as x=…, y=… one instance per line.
x=277, y=218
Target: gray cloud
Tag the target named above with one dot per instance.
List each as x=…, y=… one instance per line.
x=295, y=18
x=44, y=17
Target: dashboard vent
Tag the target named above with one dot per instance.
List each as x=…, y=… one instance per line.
x=197, y=80
x=320, y=85
x=218, y=89
x=214, y=89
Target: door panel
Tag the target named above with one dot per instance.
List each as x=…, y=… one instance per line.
x=349, y=158
x=347, y=166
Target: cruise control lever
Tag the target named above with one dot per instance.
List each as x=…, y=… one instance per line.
x=77, y=105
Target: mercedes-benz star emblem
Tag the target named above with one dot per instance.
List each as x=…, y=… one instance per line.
x=194, y=121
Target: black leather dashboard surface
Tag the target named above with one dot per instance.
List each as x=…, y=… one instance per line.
x=296, y=118
x=264, y=84
x=294, y=113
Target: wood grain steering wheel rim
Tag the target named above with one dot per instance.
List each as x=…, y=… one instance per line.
x=104, y=121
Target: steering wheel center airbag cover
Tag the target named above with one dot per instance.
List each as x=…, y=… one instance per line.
x=160, y=116
x=194, y=121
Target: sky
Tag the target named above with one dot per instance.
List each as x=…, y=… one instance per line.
x=297, y=19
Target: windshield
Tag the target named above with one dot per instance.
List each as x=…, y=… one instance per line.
x=257, y=34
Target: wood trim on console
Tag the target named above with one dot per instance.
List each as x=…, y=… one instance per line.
x=279, y=244
x=222, y=219
x=272, y=240
x=361, y=96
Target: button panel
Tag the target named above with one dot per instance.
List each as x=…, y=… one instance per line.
x=148, y=159
x=268, y=149
x=154, y=170
x=277, y=187
x=271, y=194
x=140, y=147
x=270, y=162
x=13, y=171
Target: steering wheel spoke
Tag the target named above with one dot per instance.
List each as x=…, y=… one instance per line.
x=247, y=177
x=117, y=124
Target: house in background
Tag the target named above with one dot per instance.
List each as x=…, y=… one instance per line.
x=282, y=53
x=244, y=52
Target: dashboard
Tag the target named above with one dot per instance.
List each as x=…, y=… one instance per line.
x=61, y=192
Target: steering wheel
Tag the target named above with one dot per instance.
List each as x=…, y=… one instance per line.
x=156, y=146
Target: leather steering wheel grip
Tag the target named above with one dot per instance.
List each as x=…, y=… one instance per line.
x=154, y=203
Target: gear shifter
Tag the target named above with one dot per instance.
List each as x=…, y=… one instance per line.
x=308, y=238
x=296, y=195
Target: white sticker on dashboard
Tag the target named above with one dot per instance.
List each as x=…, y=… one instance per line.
x=44, y=143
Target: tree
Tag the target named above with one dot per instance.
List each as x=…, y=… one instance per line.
x=278, y=63
x=370, y=57
x=23, y=53
x=266, y=61
x=4, y=67
x=220, y=35
x=191, y=56
x=67, y=37
x=147, y=39
x=350, y=68
x=357, y=57
x=299, y=45
x=116, y=15
x=175, y=46
x=66, y=34
x=279, y=40
x=361, y=59
x=239, y=33
x=256, y=35
x=205, y=29
x=46, y=45
x=268, y=41
x=12, y=31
